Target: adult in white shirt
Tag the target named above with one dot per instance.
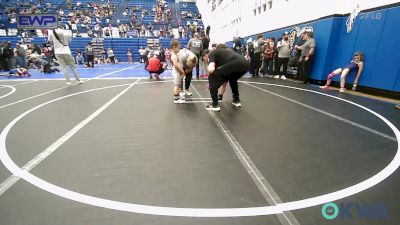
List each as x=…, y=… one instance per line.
x=61, y=39
x=141, y=53
x=283, y=47
x=111, y=56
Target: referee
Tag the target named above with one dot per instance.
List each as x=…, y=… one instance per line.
x=61, y=39
x=225, y=65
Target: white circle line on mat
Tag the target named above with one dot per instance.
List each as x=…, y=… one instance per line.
x=9, y=93
x=196, y=212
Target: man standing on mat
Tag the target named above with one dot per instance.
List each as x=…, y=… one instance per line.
x=225, y=65
x=195, y=45
x=61, y=39
x=307, y=55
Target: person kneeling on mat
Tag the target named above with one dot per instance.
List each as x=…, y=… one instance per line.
x=43, y=65
x=155, y=66
x=225, y=65
x=18, y=72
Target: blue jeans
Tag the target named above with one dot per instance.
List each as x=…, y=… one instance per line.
x=267, y=69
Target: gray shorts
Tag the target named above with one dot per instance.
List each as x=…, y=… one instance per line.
x=177, y=78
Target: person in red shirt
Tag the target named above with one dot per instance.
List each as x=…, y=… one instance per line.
x=155, y=66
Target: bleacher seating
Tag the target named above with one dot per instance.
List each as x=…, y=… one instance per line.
x=119, y=45
x=192, y=8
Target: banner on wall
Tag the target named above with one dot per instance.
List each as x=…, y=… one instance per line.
x=37, y=21
x=296, y=32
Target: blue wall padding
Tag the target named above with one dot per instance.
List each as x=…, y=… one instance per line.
x=375, y=33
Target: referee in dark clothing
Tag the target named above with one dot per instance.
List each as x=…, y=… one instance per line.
x=225, y=65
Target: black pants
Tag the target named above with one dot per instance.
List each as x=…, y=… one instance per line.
x=305, y=69
x=146, y=61
x=160, y=71
x=197, y=66
x=257, y=63
x=3, y=63
x=251, y=70
x=49, y=69
x=188, y=80
x=90, y=61
x=275, y=63
x=284, y=62
x=267, y=66
x=11, y=63
x=298, y=76
x=112, y=59
x=231, y=72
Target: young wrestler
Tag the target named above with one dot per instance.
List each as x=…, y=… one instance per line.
x=18, y=72
x=356, y=63
x=177, y=71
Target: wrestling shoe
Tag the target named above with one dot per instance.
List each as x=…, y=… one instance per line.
x=179, y=101
x=213, y=108
x=237, y=104
x=188, y=93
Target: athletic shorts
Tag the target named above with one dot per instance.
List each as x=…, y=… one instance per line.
x=352, y=67
x=177, y=78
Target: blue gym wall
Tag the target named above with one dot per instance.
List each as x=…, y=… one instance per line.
x=375, y=33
